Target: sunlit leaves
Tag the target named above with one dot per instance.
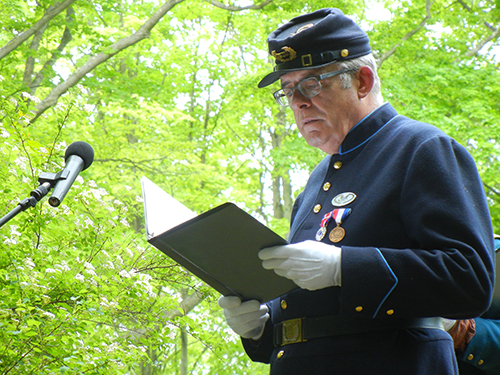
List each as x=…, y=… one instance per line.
x=81, y=290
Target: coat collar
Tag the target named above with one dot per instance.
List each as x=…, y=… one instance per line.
x=367, y=128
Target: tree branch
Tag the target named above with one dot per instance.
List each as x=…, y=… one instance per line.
x=19, y=39
x=189, y=302
x=386, y=55
x=469, y=9
x=66, y=38
x=233, y=8
x=492, y=189
x=98, y=59
x=495, y=32
x=142, y=165
x=481, y=44
x=30, y=61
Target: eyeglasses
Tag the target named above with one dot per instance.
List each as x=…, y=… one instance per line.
x=309, y=87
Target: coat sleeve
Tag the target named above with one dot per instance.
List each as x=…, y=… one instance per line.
x=449, y=272
x=483, y=351
x=260, y=351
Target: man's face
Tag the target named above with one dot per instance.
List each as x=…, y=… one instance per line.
x=325, y=119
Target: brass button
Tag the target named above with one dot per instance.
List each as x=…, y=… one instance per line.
x=281, y=353
x=359, y=308
x=344, y=52
x=390, y=312
x=317, y=208
x=337, y=164
x=480, y=362
x=284, y=305
x=470, y=357
x=326, y=186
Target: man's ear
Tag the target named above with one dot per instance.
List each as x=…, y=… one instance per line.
x=366, y=78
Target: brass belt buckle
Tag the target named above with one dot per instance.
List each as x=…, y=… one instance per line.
x=292, y=331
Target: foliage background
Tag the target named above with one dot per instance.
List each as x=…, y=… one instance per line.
x=168, y=91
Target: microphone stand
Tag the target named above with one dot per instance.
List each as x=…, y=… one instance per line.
x=47, y=181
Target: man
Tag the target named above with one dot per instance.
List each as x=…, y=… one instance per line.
x=391, y=230
x=481, y=355
x=477, y=341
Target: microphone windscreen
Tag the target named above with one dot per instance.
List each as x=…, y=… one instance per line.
x=83, y=150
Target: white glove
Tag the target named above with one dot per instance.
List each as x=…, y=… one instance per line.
x=448, y=324
x=310, y=264
x=247, y=319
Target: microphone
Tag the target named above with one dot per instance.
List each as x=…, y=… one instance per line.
x=78, y=157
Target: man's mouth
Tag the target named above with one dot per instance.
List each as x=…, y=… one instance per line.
x=308, y=121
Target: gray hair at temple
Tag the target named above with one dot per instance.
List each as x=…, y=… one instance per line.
x=355, y=64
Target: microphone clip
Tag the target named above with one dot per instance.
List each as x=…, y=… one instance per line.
x=52, y=178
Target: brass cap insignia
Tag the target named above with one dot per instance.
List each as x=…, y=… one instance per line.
x=288, y=54
x=305, y=27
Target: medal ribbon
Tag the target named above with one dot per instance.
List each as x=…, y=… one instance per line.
x=326, y=219
x=340, y=214
x=322, y=227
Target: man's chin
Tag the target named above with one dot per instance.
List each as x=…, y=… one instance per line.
x=327, y=147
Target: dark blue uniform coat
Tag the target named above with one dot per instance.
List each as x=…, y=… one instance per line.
x=418, y=243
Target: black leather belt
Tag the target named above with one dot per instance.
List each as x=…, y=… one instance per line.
x=302, y=329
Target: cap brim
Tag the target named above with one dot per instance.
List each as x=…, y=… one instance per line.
x=270, y=78
x=274, y=76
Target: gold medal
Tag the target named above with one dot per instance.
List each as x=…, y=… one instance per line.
x=337, y=234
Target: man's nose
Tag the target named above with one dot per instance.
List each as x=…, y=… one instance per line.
x=299, y=100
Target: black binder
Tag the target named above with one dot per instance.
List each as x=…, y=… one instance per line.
x=220, y=247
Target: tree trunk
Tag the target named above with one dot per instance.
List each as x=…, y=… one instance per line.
x=184, y=352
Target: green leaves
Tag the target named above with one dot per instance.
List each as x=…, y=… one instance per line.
x=81, y=291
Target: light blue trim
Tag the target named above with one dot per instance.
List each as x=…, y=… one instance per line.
x=393, y=287
x=368, y=115
x=366, y=140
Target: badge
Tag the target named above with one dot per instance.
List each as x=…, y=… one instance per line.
x=309, y=25
x=343, y=199
x=288, y=54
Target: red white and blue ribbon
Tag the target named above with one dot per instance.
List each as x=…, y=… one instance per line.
x=338, y=214
x=322, y=227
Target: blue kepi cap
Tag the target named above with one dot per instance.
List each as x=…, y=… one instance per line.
x=314, y=40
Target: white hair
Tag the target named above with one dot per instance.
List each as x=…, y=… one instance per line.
x=354, y=65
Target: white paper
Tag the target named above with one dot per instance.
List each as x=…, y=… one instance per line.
x=161, y=210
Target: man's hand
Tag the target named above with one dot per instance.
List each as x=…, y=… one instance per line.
x=461, y=331
x=247, y=319
x=311, y=265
